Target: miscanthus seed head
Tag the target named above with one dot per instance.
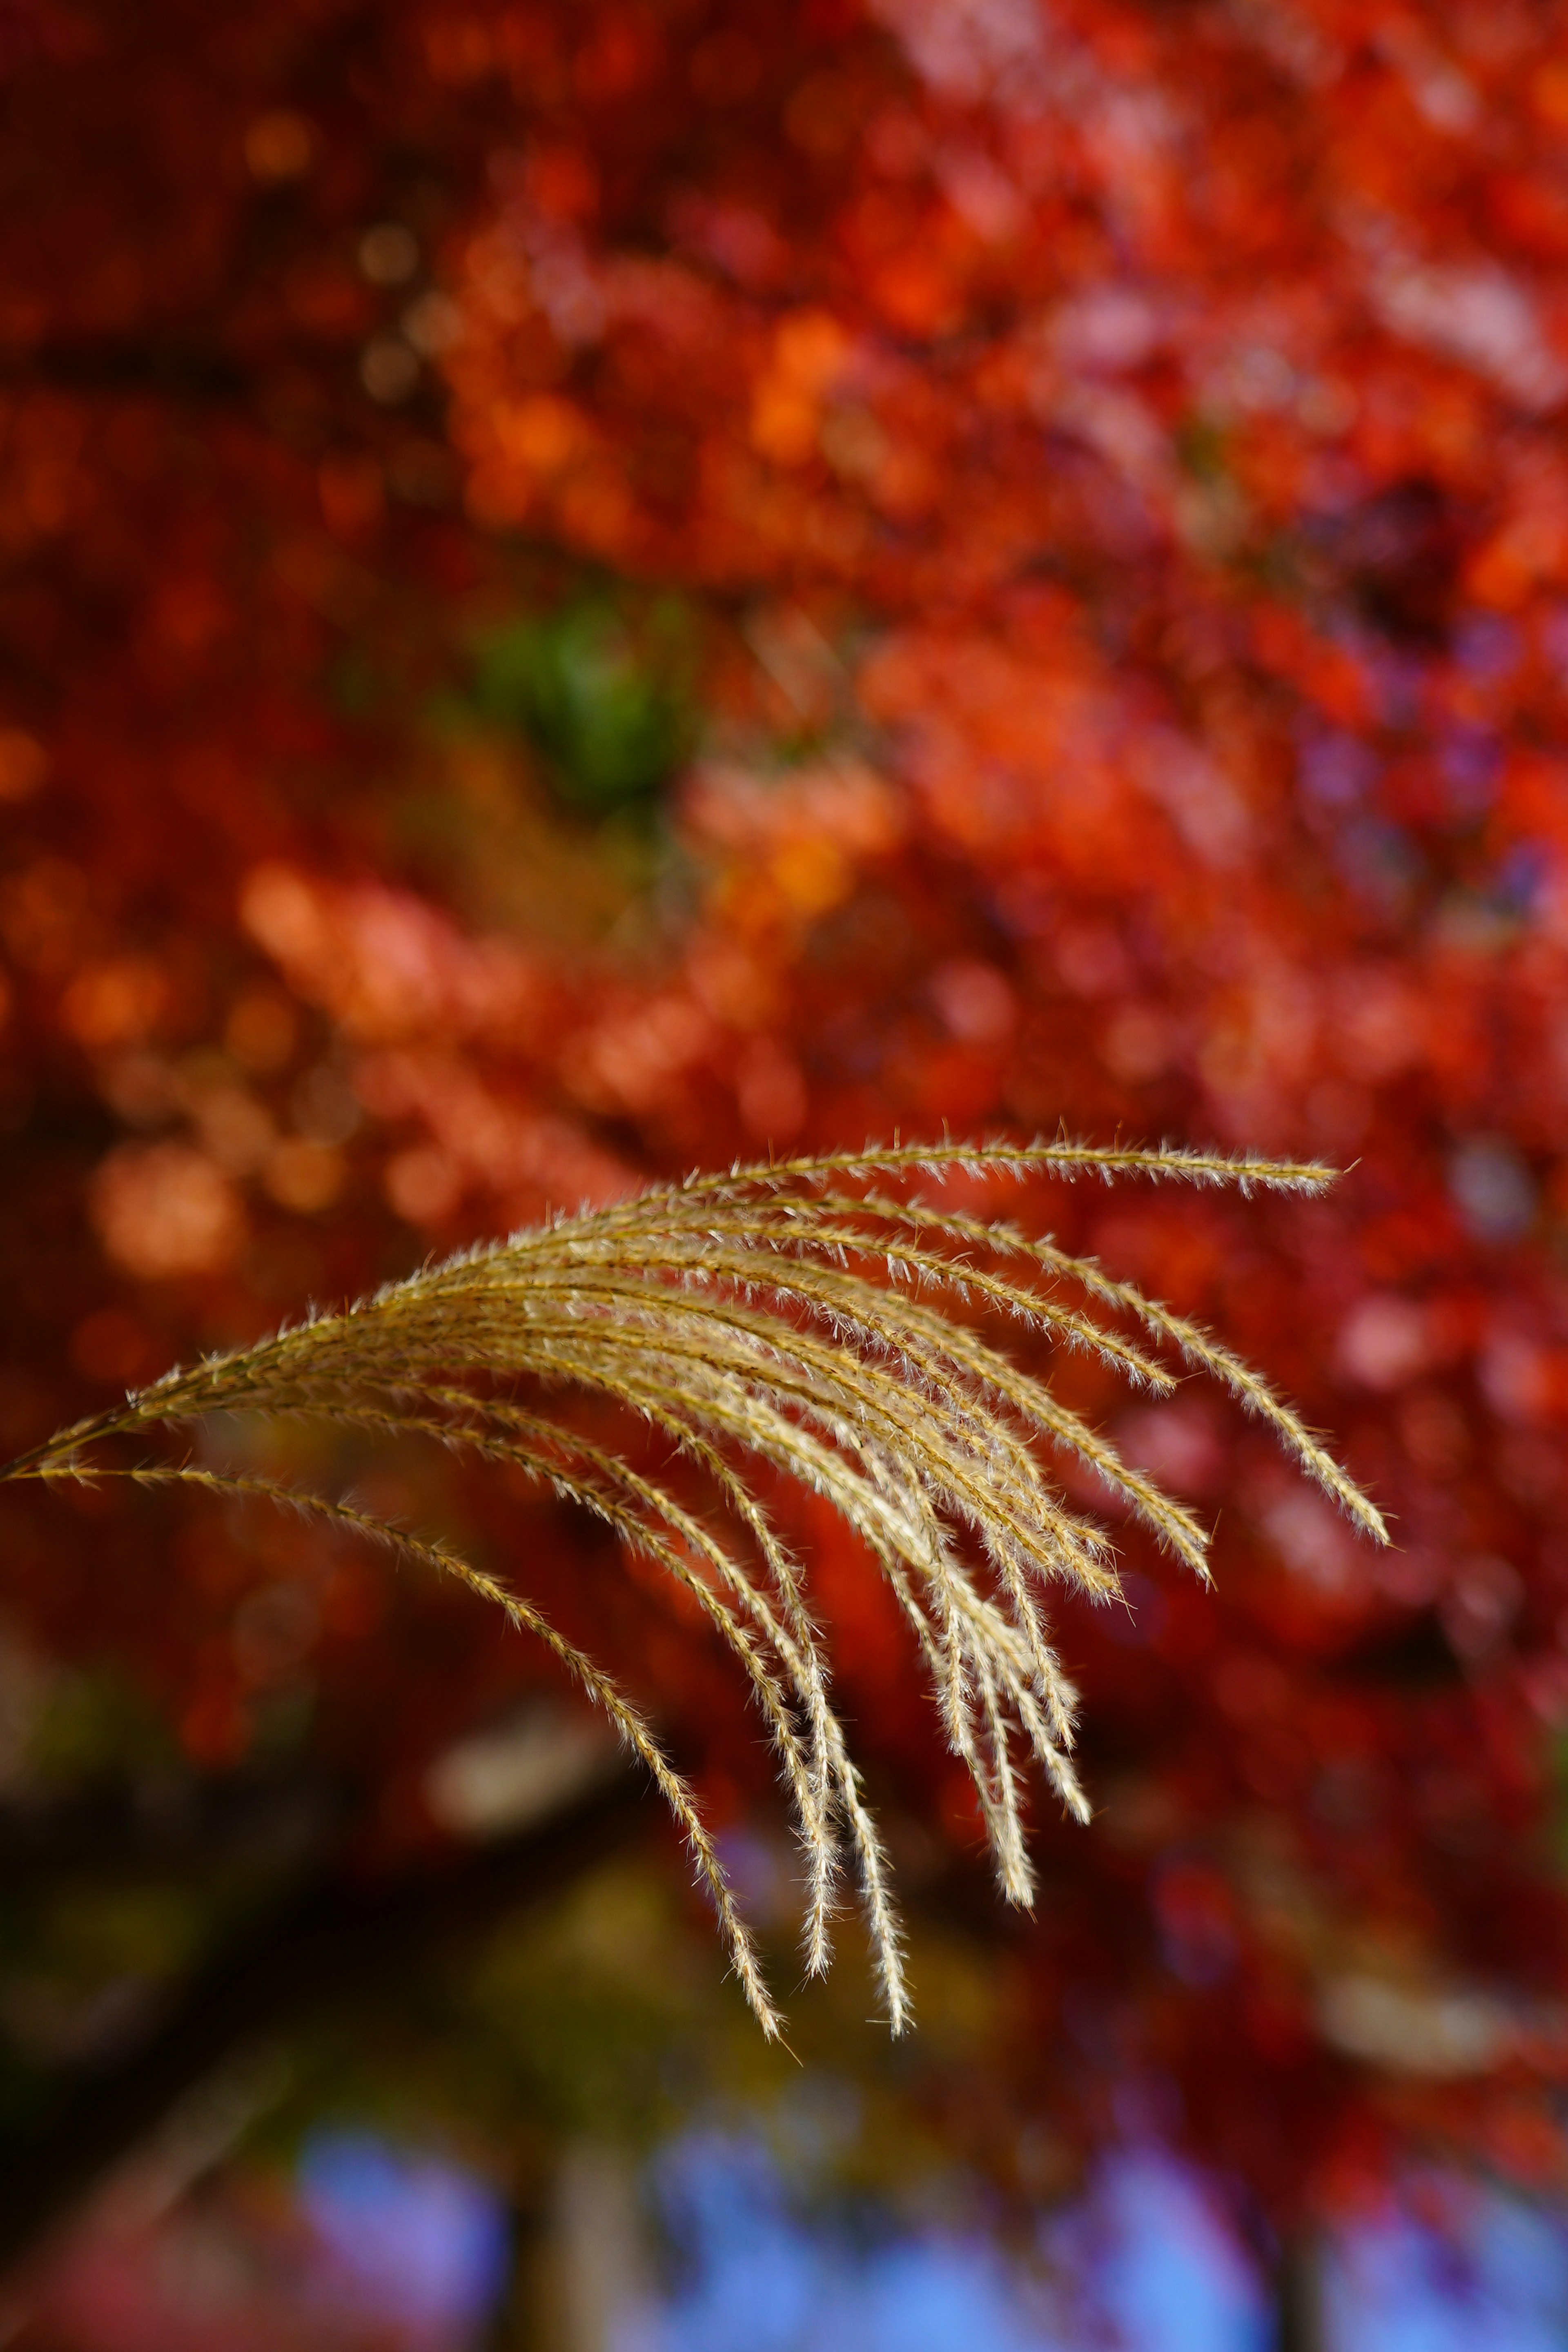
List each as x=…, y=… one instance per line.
x=796, y=1315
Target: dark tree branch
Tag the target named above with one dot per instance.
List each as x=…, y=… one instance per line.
x=331, y=1937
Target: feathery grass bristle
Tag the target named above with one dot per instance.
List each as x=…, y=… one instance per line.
x=791, y=1315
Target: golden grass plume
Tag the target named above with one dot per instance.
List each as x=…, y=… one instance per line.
x=793, y=1315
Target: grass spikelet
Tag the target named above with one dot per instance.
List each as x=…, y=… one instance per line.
x=802, y=1316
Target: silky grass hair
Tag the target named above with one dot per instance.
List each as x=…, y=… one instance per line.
x=794, y=1314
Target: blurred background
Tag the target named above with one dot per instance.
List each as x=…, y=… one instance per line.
x=588, y=586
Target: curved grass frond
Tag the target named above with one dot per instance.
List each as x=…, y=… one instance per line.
x=793, y=1316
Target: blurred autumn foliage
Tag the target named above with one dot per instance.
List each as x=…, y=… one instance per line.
x=584, y=588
